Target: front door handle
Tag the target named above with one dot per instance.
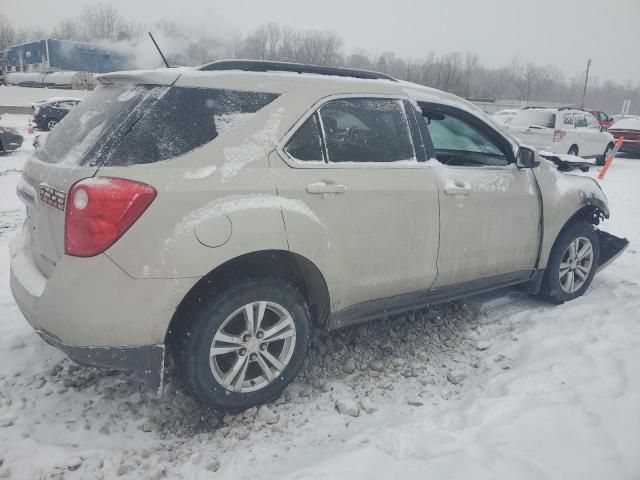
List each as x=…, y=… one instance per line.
x=323, y=187
x=457, y=189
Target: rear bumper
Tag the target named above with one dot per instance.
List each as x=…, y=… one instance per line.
x=629, y=145
x=146, y=361
x=92, y=303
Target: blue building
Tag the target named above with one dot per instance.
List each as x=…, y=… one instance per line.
x=53, y=55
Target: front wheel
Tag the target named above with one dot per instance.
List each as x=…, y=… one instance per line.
x=573, y=263
x=244, y=345
x=51, y=124
x=601, y=160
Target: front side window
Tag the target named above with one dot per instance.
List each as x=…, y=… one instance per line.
x=366, y=130
x=457, y=142
x=305, y=144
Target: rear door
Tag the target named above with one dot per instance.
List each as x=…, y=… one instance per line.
x=359, y=200
x=489, y=209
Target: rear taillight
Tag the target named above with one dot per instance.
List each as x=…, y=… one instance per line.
x=558, y=134
x=100, y=210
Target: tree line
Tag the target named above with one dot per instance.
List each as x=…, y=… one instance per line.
x=459, y=73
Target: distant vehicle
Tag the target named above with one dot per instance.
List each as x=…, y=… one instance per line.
x=10, y=139
x=504, y=117
x=602, y=118
x=629, y=129
x=619, y=116
x=48, y=113
x=569, y=130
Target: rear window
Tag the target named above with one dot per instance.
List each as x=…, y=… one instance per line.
x=538, y=118
x=127, y=125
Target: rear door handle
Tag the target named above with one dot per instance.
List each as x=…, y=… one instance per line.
x=457, y=190
x=322, y=187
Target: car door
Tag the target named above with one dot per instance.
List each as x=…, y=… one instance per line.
x=597, y=138
x=585, y=137
x=359, y=200
x=489, y=209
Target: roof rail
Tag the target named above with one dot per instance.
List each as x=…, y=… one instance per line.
x=267, y=66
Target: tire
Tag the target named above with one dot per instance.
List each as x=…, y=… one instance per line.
x=223, y=316
x=559, y=289
x=573, y=150
x=601, y=160
x=51, y=124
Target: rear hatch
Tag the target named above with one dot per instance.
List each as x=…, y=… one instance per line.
x=629, y=129
x=534, y=127
x=72, y=151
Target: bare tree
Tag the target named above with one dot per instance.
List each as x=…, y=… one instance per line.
x=7, y=33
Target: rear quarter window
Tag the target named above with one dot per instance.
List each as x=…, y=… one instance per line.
x=184, y=119
x=528, y=118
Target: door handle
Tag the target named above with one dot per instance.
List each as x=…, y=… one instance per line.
x=322, y=187
x=457, y=189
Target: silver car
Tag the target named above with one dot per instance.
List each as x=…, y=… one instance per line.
x=219, y=214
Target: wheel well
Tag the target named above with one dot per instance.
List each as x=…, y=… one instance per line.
x=576, y=147
x=263, y=264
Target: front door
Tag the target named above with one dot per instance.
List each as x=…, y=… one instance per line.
x=357, y=202
x=489, y=209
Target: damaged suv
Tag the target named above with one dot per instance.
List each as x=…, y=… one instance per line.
x=220, y=214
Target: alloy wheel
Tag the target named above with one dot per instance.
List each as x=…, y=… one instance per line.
x=252, y=347
x=576, y=265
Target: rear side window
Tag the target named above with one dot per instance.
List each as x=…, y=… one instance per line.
x=306, y=144
x=127, y=124
x=184, y=119
x=366, y=130
x=528, y=118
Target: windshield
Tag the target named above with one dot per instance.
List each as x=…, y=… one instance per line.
x=538, y=118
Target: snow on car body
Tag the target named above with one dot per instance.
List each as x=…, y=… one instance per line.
x=223, y=213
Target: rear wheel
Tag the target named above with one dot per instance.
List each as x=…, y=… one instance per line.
x=51, y=124
x=573, y=150
x=572, y=264
x=243, y=346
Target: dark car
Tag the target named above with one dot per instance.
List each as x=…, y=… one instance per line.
x=48, y=113
x=10, y=140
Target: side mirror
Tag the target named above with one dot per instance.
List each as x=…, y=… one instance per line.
x=527, y=158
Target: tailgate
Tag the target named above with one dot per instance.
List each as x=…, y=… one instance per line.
x=43, y=189
x=536, y=136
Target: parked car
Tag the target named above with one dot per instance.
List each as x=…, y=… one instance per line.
x=221, y=215
x=629, y=129
x=602, y=118
x=569, y=131
x=10, y=139
x=48, y=113
x=504, y=117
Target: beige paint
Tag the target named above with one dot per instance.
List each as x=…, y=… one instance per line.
x=394, y=230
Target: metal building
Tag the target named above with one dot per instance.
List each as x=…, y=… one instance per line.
x=53, y=55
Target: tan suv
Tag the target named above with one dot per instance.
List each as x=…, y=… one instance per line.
x=220, y=213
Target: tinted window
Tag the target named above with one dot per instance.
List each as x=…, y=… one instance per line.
x=581, y=120
x=456, y=142
x=92, y=120
x=366, y=130
x=305, y=144
x=567, y=119
x=540, y=118
x=183, y=119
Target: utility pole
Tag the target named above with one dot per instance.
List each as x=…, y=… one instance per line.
x=586, y=80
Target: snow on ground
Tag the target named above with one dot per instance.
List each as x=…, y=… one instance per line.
x=500, y=387
x=23, y=96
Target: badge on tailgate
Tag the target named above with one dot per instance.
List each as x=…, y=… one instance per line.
x=52, y=197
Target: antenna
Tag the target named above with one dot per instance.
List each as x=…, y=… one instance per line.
x=159, y=51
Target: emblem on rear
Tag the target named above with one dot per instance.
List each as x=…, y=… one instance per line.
x=52, y=197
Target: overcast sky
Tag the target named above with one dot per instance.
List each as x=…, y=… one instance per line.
x=561, y=32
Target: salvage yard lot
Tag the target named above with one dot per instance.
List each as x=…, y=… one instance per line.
x=499, y=387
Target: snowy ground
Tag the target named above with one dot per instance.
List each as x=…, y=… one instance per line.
x=503, y=387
